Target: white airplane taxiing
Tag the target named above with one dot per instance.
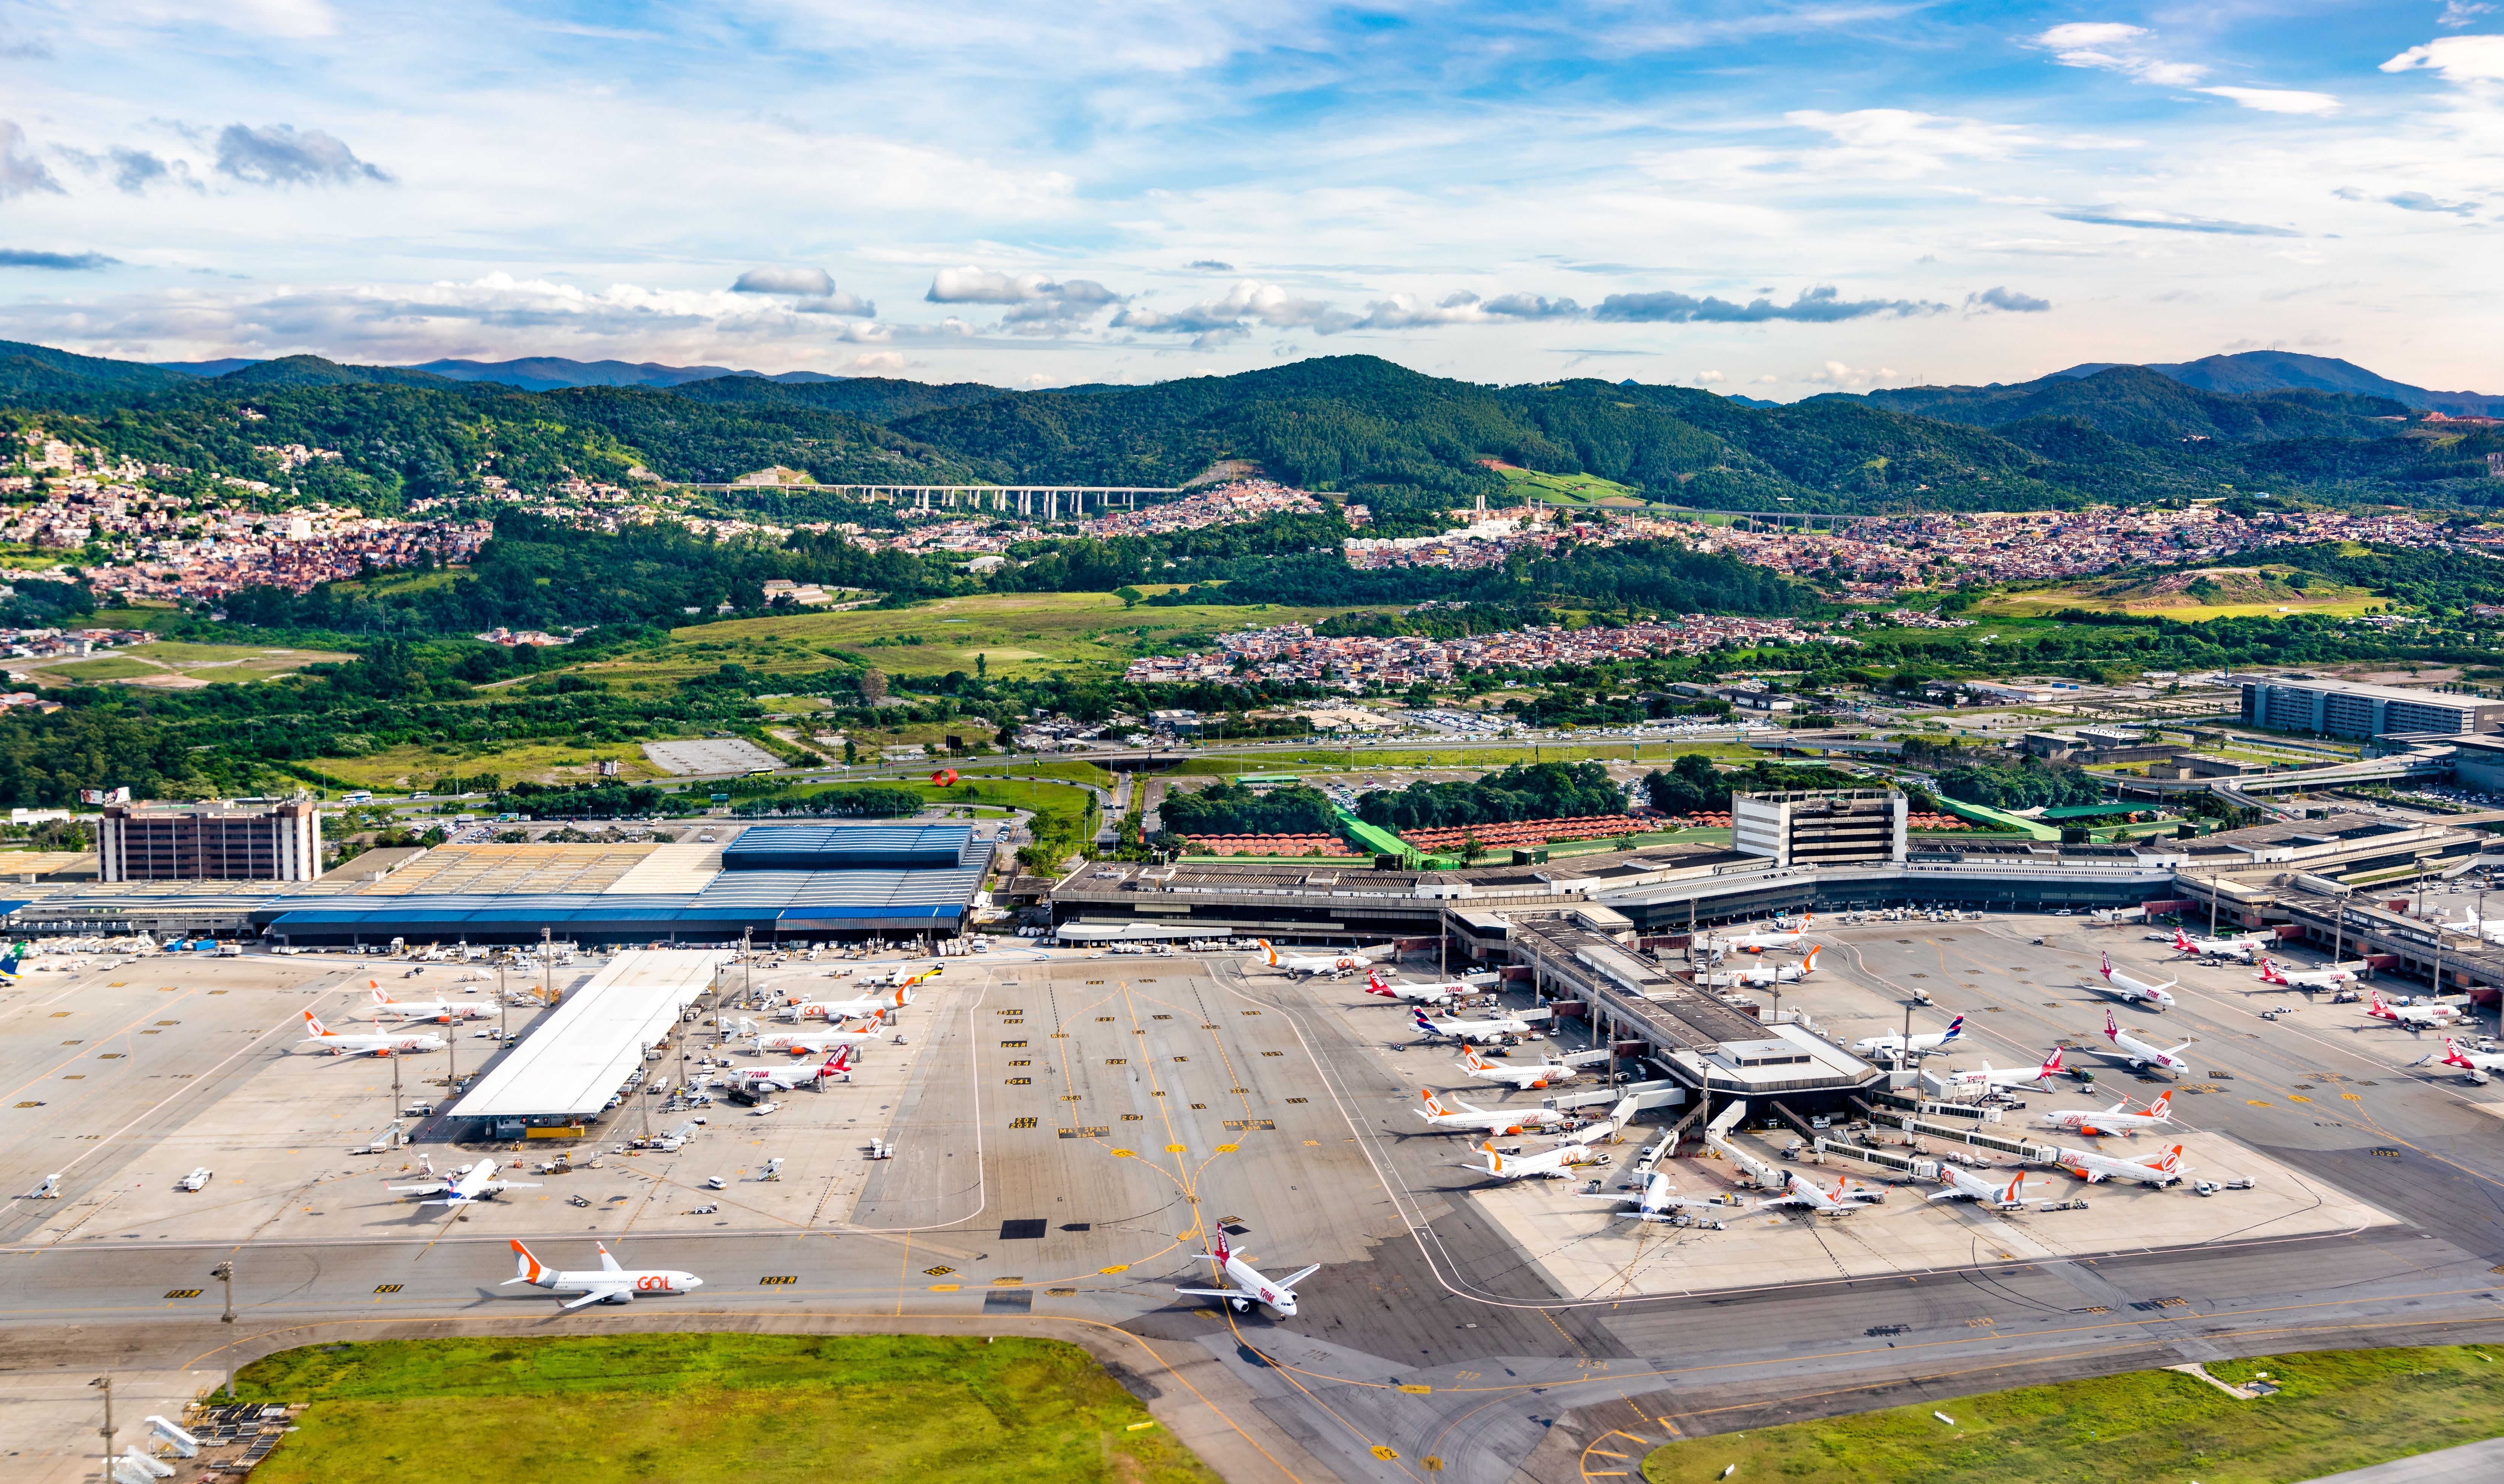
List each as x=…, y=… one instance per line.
x=2113, y=1119
x=2139, y=991
x=2159, y=1169
x=1758, y=975
x=1965, y=1184
x=1800, y=1192
x=609, y=1283
x=2413, y=1016
x=387, y=1009
x=319, y=1037
x=2138, y=1052
x=1554, y=1164
x=1541, y=1074
x=2219, y=947
x=884, y=1002
x=2304, y=979
x=1246, y=1285
x=1924, y=1044
x=1469, y=1117
x=1771, y=937
x=468, y=1184
x=1422, y=994
x=1494, y=1028
x=783, y=1079
x=2012, y=1078
x=1656, y=1201
x=2474, y=1064
x=816, y=1043
x=1299, y=966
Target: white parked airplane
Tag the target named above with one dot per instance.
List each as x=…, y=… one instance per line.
x=387, y=1009
x=816, y=1043
x=2219, y=947
x=2139, y=991
x=1801, y=1192
x=783, y=1079
x=1554, y=1164
x=1758, y=943
x=844, y=1010
x=1333, y=964
x=321, y=1038
x=2138, y=1052
x=1963, y=1185
x=2113, y=1119
x=1655, y=1201
x=2413, y=1016
x=1247, y=1285
x=1423, y=994
x=2159, y=1169
x=2303, y=979
x=1758, y=975
x=1541, y=1074
x=1495, y=1029
x=2012, y=1078
x=1922, y=1045
x=1469, y=1117
x=609, y=1284
x=902, y=976
x=469, y=1183
x=2474, y=1064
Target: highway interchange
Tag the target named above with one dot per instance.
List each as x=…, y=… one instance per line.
x=1199, y=1091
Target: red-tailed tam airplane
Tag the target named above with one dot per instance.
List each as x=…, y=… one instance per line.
x=2160, y=1169
x=2219, y=947
x=1555, y=1164
x=445, y=1011
x=609, y=1283
x=2138, y=992
x=2476, y=1064
x=2303, y=979
x=2113, y=1119
x=783, y=1079
x=1248, y=1286
x=844, y=1010
x=816, y=1043
x=2413, y=1016
x=1469, y=1117
x=469, y=1183
x=1423, y=994
x=2012, y=1078
x=1541, y=1074
x=321, y=1038
x=2138, y=1052
x=1333, y=964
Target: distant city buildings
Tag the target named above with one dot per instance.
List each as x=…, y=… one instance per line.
x=1293, y=653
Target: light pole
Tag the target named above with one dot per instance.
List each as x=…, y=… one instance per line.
x=104, y=1384
x=223, y=1272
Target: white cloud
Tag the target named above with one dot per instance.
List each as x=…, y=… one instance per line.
x=279, y=154
x=1405, y=311
x=1037, y=304
x=2278, y=100
x=1708, y=378
x=1897, y=142
x=814, y=288
x=876, y=362
x=1835, y=373
x=2458, y=59
x=21, y=172
x=2112, y=47
x=1215, y=321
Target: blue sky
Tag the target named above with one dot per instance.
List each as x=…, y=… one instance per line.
x=1762, y=197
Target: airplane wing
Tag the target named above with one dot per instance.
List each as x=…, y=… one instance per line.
x=437, y=1188
x=597, y=1294
x=1215, y=1292
x=513, y=1185
x=1300, y=1275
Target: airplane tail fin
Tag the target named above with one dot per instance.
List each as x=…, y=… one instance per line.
x=1808, y=964
x=1434, y=1105
x=1471, y=1058
x=313, y=1025
x=1268, y=954
x=608, y=1263
x=526, y=1266
x=2009, y=1196
x=2162, y=1107
x=1221, y=1256
x=2112, y=1028
x=1956, y=1028
x=2452, y=1053
x=2173, y=1158
x=2107, y=966
x=2051, y=1064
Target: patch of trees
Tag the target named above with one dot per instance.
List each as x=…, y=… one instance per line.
x=1521, y=791
x=1230, y=807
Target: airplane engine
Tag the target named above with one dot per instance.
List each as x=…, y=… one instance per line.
x=1241, y=1306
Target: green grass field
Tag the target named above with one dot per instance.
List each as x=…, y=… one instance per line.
x=2338, y=1410
x=169, y=660
x=1570, y=489
x=695, y=1409
x=2236, y=593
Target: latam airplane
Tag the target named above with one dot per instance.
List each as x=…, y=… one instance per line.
x=1469, y=1117
x=1495, y=1029
x=1963, y=1185
x=609, y=1283
x=1922, y=1045
x=2139, y=991
x=2111, y=1121
x=2138, y=1052
x=469, y=1183
x=2303, y=979
x=1247, y=1287
x=321, y=1038
x=445, y=1011
x=2159, y=1170
x=783, y=1079
x=1333, y=965
x=1423, y=994
x=2413, y=1016
x=1554, y=1164
x=1544, y=1074
x=1655, y=1201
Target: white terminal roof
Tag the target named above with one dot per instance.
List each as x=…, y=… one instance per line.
x=572, y=1063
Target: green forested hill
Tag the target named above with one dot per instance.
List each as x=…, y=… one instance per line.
x=2137, y=406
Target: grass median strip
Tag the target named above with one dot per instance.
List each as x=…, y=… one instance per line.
x=2335, y=1410
x=691, y=1408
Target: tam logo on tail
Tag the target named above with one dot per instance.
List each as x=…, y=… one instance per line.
x=2112, y=1028
x=2052, y=1063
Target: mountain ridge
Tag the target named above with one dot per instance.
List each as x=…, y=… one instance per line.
x=2243, y=373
